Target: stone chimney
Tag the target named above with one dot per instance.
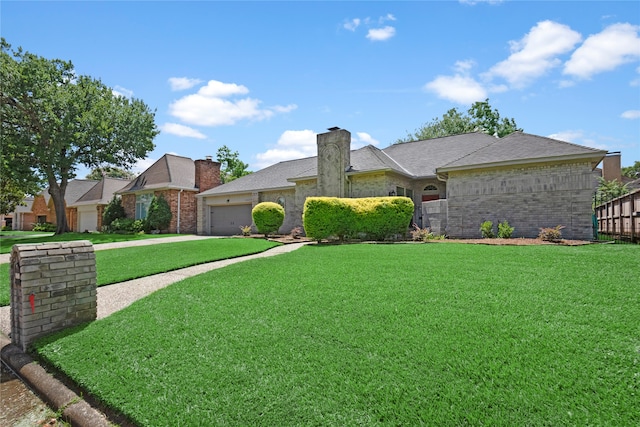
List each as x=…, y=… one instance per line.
x=334, y=158
x=207, y=174
x=611, y=169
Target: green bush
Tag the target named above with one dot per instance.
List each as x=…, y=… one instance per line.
x=127, y=226
x=44, y=226
x=372, y=217
x=553, y=234
x=159, y=214
x=486, y=228
x=505, y=230
x=268, y=217
x=114, y=210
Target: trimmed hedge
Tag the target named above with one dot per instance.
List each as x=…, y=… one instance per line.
x=374, y=217
x=268, y=217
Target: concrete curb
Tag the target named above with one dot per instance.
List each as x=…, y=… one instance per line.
x=60, y=398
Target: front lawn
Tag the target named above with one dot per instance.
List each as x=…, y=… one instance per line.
x=119, y=265
x=434, y=334
x=8, y=240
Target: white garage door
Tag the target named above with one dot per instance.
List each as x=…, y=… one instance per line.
x=87, y=220
x=227, y=220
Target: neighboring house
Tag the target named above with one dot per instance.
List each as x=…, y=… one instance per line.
x=455, y=182
x=176, y=178
x=40, y=209
x=90, y=206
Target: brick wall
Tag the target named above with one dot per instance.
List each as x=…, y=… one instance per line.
x=207, y=174
x=53, y=287
x=528, y=198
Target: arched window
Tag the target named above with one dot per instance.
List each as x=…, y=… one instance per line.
x=430, y=192
x=430, y=187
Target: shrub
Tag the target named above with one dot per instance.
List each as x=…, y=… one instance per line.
x=7, y=228
x=486, y=228
x=114, y=210
x=419, y=234
x=505, y=230
x=127, y=226
x=268, y=217
x=159, y=214
x=246, y=230
x=372, y=217
x=44, y=226
x=551, y=234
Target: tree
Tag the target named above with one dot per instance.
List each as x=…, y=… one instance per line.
x=57, y=120
x=632, y=171
x=159, y=214
x=608, y=190
x=231, y=167
x=110, y=172
x=113, y=211
x=479, y=118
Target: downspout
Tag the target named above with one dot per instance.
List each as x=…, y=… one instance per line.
x=178, y=219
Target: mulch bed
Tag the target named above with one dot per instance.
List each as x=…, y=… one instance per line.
x=499, y=242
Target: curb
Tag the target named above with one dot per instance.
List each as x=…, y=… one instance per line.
x=59, y=397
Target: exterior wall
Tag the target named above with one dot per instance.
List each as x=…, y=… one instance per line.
x=187, y=216
x=334, y=157
x=435, y=215
x=373, y=185
x=303, y=190
x=207, y=174
x=528, y=198
x=291, y=219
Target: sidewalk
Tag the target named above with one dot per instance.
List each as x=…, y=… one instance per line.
x=110, y=299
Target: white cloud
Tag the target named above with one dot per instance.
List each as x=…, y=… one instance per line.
x=209, y=106
x=352, y=24
x=362, y=139
x=121, y=91
x=631, y=114
x=182, y=130
x=182, y=83
x=578, y=137
x=292, y=144
x=381, y=34
x=142, y=165
x=458, y=88
x=536, y=53
x=615, y=45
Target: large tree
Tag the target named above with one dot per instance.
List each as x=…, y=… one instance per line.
x=632, y=171
x=110, y=172
x=479, y=118
x=57, y=120
x=231, y=167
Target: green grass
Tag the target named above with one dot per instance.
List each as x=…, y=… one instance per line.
x=119, y=265
x=7, y=242
x=435, y=334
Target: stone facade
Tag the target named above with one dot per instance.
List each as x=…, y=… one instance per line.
x=53, y=287
x=334, y=150
x=529, y=198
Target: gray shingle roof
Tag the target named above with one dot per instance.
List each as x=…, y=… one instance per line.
x=76, y=188
x=520, y=147
x=102, y=192
x=169, y=171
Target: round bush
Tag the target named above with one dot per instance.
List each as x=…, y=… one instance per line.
x=268, y=217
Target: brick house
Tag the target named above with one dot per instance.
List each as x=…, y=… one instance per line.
x=90, y=206
x=178, y=179
x=456, y=183
x=40, y=209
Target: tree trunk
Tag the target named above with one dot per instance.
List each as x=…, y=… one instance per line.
x=57, y=194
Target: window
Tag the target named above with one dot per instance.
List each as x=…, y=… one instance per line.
x=281, y=201
x=430, y=187
x=42, y=219
x=399, y=191
x=409, y=193
x=142, y=205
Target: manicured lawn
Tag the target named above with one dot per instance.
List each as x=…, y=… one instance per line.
x=433, y=334
x=8, y=241
x=118, y=265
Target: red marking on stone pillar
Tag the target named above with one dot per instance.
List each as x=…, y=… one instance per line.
x=32, y=301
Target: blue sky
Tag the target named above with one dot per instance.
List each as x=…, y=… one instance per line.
x=263, y=78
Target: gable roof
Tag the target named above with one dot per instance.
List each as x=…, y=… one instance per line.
x=523, y=148
x=75, y=189
x=170, y=171
x=102, y=192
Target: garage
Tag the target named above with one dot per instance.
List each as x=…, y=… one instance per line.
x=87, y=219
x=227, y=220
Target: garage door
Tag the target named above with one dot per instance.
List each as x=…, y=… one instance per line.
x=227, y=220
x=87, y=220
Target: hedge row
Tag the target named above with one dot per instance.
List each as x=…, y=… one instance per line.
x=372, y=217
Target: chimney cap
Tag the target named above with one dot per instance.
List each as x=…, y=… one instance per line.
x=208, y=158
x=333, y=128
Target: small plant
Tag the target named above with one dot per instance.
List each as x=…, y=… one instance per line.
x=44, y=226
x=296, y=232
x=246, y=230
x=419, y=234
x=486, y=228
x=551, y=234
x=505, y=230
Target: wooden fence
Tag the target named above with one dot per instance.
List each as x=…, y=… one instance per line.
x=620, y=218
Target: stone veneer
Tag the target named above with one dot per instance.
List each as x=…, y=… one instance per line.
x=529, y=198
x=53, y=287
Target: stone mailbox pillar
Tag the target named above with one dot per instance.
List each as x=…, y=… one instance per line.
x=53, y=287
